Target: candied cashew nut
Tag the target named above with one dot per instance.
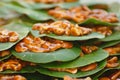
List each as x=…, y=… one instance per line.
x=89, y=67
x=12, y=77
x=113, y=62
x=4, y=53
x=88, y=49
x=115, y=75
x=70, y=70
x=70, y=78
x=13, y=36
x=10, y=64
x=104, y=78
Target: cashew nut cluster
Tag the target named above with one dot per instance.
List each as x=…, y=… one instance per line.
x=113, y=49
x=70, y=78
x=88, y=49
x=8, y=36
x=12, y=77
x=75, y=70
x=61, y=28
x=80, y=14
x=105, y=30
x=4, y=53
x=36, y=44
x=13, y=64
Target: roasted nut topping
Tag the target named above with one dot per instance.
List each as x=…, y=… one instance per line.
x=113, y=50
x=4, y=53
x=12, y=77
x=69, y=78
x=70, y=70
x=61, y=28
x=105, y=30
x=88, y=49
x=89, y=67
x=36, y=44
x=13, y=64
x=8, y=36
x=112, y=62
x=80, y=14
x=75, y=70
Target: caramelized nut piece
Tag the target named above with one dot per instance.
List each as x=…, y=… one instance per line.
x=10, y=64
x=8, y=36
x=113, y=62
x=89, y=67
x=88, y=49
x=104, y=78
x=35, y=44
x=4, y=53
x=12, y=77
x=115, y=75
x=70, y=78
x=70, y=70
x=62, y=28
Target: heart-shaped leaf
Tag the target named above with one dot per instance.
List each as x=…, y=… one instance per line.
x=33, y=14
x=58, y=55
x=21, y=29
x=27, y=69
x=69, y=38
x=114, y=36
x=100, y=66
x=46, y=6
x=92, y=21
x=95, y=56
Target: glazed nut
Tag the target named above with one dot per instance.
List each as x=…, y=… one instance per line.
x=4, y=53
x=104, y=78
x=89, y=67
x=115, y=75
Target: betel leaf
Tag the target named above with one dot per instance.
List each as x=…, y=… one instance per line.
x=5, y=57
x=20, y=28
x=47, y=6
x=108, y=44
x=27, y=69
x=92, y=21
x=69, y=38
x=95, y=56
x=58, y=55
x=45, y=71
x=33, y=14
x=114, y=36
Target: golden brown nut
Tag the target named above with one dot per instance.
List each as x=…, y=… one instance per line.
x=89, y=67
x=70, y=78
x=12, y=77
x=4, y=53
x=88, y=49
x=112, y=62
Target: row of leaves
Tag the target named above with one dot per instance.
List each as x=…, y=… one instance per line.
x=69, y=55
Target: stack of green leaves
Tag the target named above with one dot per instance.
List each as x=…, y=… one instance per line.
x=20, y=16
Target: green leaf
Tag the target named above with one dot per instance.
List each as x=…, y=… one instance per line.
x=100, y=66
x=69, y=38
x=58, y=55
x=21, y=29
x=95, y=56
x=5, y=57
x=46, y=6
x=92, y=21
x=33, y=14
x=108, y=44
x=27, y=69
x=114, y=36
x=115, y=8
